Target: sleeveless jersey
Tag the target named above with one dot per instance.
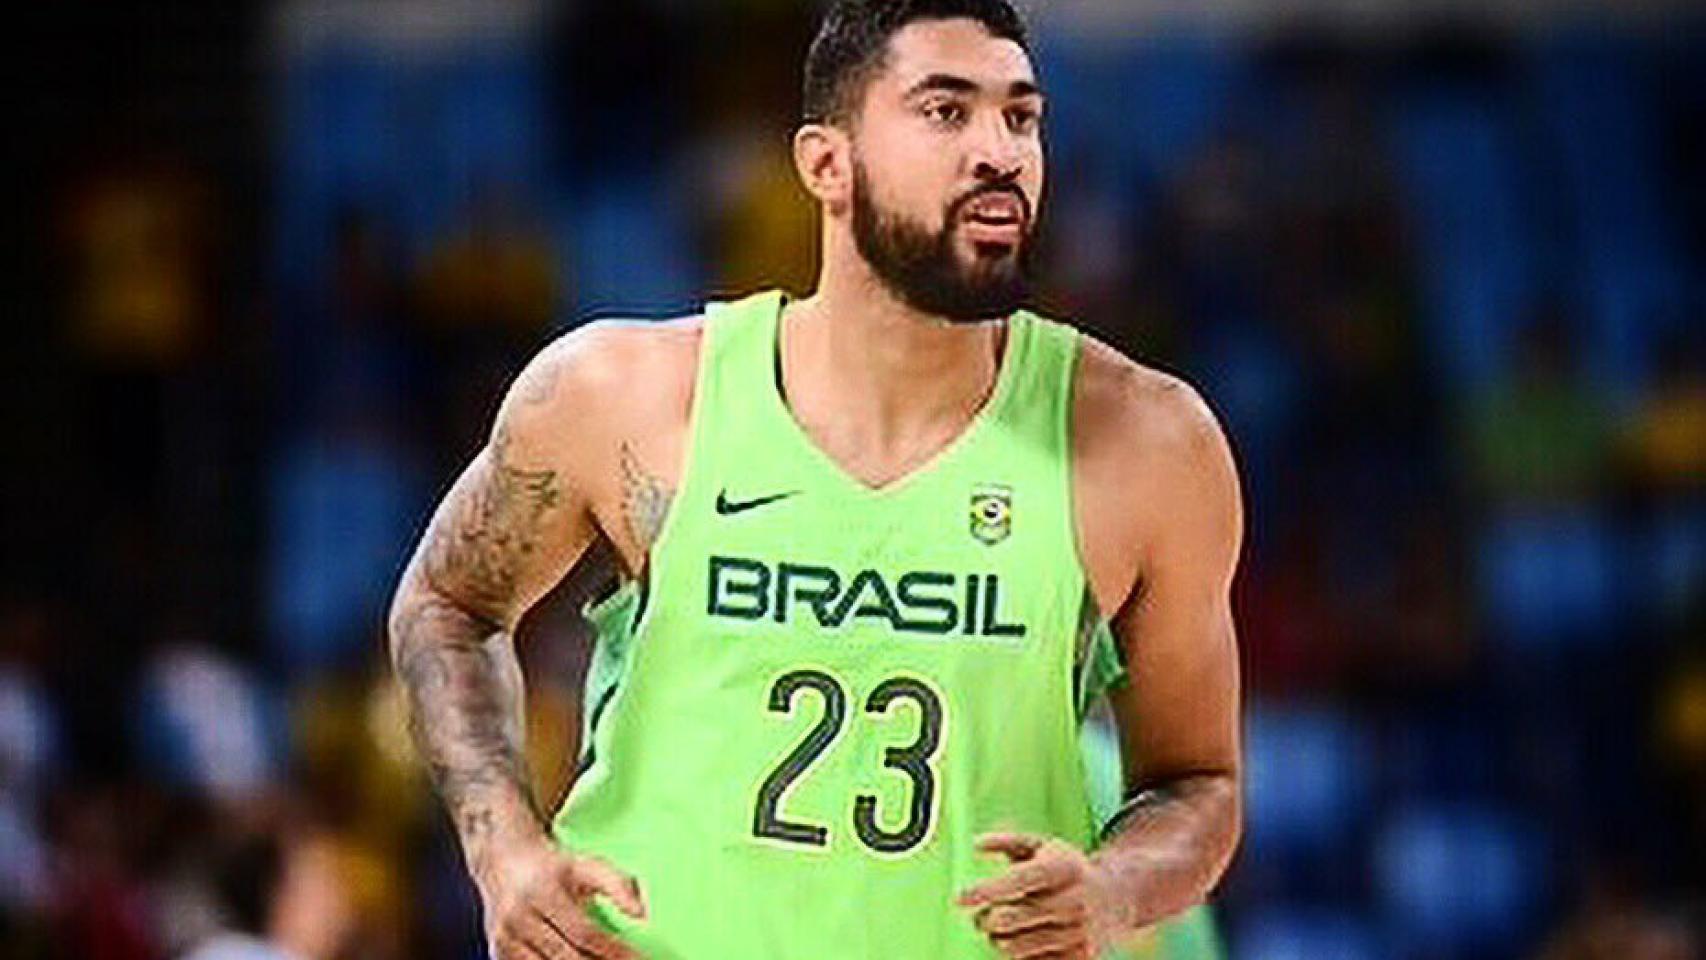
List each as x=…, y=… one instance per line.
x=820, y=693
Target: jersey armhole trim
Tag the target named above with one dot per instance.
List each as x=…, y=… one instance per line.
x=1069, y=462
x=689, y=455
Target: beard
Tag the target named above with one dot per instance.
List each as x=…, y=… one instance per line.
x=923, y=270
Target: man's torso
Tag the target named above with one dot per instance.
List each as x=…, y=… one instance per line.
x=823, y=691
x=646, y=432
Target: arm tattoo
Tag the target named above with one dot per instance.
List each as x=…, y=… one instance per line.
x=490, y=532
x=464, y=689
x=645, y=501
x=453, y=653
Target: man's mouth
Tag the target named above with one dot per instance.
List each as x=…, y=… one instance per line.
x=995, y=218
x=993, y=234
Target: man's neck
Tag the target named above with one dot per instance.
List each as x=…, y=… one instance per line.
x=867, y=373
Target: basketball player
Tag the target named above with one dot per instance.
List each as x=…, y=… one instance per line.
x=883, y=547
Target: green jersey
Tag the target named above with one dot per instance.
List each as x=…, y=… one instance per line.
x=822, y=692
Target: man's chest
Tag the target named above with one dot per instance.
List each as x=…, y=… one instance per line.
x=644, y=482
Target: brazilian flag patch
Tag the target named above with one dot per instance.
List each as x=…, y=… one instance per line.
x=991, y=512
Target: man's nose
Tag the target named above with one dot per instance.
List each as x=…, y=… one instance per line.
x=996, y=154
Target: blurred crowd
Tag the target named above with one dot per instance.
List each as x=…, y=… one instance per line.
x=276, y=265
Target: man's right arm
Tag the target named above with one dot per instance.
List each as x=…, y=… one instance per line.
x=514, y=522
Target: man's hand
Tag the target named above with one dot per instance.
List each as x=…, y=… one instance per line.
x=1054, y=902
x=536, y=896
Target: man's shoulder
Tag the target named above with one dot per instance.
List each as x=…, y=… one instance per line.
x=1149, y=458
x=608, y=365
x=602, y=383
x=623, y=355
x=1128, y=409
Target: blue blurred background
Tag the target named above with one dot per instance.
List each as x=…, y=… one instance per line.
x=1439, y=267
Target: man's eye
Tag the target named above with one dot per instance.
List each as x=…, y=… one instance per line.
x=946, y=113
x=1023, y=120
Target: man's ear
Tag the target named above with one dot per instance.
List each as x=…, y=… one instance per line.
x=823, y=157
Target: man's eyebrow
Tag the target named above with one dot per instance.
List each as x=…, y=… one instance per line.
x=943, y=82
x=1023, y=88
x=955, y=84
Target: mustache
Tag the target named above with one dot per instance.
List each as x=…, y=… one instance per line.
x=958, y=206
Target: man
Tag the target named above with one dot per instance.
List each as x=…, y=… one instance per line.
x=882, y=549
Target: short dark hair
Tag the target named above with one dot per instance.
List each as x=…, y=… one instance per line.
x=854, y=37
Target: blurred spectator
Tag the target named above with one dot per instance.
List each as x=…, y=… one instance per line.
x=30, y=738
x=354, y=757
x=32, y=764
x=1294, y=638
x=1542, y=435
x=343, y=481
x=495, y=269
x=349, y=357
x=25, y=881
x=275, y=897
x=207, y=726
x=1668, y=435
x=1679, y=727
x=1458, y=879
x=765, y=229
x=339, y=519
x=140, y=283
x=1620, y=927
x=1417, y=634
x=100, y=908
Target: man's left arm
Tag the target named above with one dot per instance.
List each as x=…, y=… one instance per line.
x=1178, y=711
x=1178, y=717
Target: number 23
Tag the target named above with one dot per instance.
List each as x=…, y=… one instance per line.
x=914, y=760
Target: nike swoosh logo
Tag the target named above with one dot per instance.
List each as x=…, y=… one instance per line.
x=729, y=508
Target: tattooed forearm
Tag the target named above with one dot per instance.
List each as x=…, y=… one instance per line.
x=452, y=650
x=645, y=500
x=491, y=529
x=464, y=689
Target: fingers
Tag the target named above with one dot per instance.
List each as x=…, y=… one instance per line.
x=1014, y=846
x=1027, y=879
x=1036, y=910
x=505, y=948
x=569, y=924
x=1043, y=942
x=585, y=876
x=527, y=937
x=564, y=936
x=586, y=936
x=1060, y=909
x=551, y=921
